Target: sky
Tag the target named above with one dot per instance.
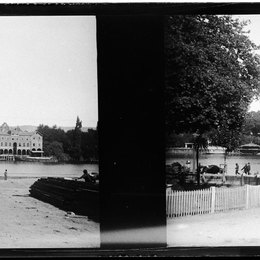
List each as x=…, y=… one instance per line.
x=48, y=70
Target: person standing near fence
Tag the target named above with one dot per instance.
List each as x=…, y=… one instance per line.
x=237, y=168
x=248, y=168
x=245, y=169
x=188, y=165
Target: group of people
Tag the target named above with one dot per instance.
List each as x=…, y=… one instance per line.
x=246, y=169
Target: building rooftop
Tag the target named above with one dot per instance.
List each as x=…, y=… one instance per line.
x=6, y=130
x=250, y=145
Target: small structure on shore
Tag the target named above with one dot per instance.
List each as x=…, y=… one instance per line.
x=250, y=148
x=189, y=149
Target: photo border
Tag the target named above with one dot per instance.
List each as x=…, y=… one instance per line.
x=114, y=128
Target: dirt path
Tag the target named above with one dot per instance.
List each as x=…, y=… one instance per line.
x=26, y=222
x=233, y=228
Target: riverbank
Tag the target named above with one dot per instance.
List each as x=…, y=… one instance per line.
x=30, y=223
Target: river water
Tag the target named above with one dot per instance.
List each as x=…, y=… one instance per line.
x=218, y=159
x=34, y=169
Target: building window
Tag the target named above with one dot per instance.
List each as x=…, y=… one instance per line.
x=33, y=144
x=23, y=144
x=12, y=138
x=27, y=144
x=19, y=144
x=1, y=143
x=5, y=143
x=10, y=144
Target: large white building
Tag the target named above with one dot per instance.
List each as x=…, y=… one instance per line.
x=14, y=141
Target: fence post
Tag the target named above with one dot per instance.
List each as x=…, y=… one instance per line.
x=213, y=196
x=224, y=177
x=247, y=196
x=242, y=179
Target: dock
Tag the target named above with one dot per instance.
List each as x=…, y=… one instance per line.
x=7, y=157
x=78, y=197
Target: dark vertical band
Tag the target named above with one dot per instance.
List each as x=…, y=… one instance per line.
x=131, y=131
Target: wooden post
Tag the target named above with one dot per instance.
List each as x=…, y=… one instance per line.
x=197, y=165
x=242, y=179
x=247, y=196
x=224, y=176
x=213, y=197
x=194, y=161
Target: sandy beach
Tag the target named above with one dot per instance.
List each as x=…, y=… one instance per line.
x=30, y=223
x=231, y=228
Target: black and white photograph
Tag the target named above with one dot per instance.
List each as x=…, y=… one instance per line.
x=49, y=170
x=212, y=86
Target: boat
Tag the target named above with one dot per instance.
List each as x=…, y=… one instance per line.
x=251, y=149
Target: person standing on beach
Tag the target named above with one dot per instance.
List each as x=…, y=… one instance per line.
x=5, y=174
x=237, y=168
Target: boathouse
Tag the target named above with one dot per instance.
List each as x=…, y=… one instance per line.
x=250, y=148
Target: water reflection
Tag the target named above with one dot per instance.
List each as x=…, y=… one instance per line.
x=27, y=169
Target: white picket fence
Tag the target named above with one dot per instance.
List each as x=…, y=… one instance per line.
x=182, y=203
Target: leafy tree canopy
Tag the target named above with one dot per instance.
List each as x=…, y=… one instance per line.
x=71, y=145
x=252, y=123
x=78, y=124
x=212, y=74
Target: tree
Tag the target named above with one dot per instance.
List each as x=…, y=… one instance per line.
x=89, y=144
x=73, y=144
x=212, y=74
x=227, y=137
x=78, y=124
x=200, y=142
x=178, y=140
x=54, y=141
x=252, y=123
x=75, y=150
x=56, y=149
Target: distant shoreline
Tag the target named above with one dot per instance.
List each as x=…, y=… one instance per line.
x=31, y=128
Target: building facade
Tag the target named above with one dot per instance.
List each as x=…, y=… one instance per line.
x=14, y=141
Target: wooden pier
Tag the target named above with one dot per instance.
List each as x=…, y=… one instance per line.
x=75, y=196
x=7, y=157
